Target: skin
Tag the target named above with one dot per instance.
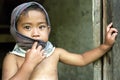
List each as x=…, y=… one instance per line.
x=35, y=66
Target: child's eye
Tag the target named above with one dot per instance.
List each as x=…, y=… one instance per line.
x=42, y=27
x=27, y=27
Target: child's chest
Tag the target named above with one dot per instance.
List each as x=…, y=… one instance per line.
x=46, y=70
x=48, y=62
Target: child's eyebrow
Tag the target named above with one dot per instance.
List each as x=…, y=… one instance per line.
x=42, y=23
x=29, y=23
x=26, y=23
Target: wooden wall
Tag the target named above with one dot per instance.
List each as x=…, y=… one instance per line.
x=111, y=61
x=116, y=47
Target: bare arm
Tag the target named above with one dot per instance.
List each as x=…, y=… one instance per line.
x=92, y=55
x=33, y=58
x=11, y=71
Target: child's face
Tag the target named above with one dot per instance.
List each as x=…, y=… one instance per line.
x=34, y=25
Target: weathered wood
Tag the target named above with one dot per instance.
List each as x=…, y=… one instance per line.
x=116, y=50
x=107, y=66
x=96, y=19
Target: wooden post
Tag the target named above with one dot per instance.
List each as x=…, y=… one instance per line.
x=96, y=20
x=111, y=67
x=116, y=47
x=107, y=59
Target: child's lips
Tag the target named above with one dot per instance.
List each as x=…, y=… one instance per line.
x=36, y=38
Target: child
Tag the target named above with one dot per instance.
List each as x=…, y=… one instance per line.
x=34, y=57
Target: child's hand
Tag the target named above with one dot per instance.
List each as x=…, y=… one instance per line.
x=111, y=34
x=35, y=55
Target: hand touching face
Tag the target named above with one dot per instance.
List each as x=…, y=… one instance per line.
x=35, y=55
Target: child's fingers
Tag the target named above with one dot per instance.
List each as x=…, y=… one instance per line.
x=34, y=45
x=42, y=52
x=39, y=48
x=27, y=50
x=109, y=26
x=113, y=30
x=114, y=35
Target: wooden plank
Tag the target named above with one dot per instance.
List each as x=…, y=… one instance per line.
x=96, y=19
x=116, y=47
x=107, y=59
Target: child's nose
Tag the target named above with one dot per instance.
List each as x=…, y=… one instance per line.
x=35, y=33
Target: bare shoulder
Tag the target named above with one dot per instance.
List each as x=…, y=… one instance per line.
x=60, y=51
x=9, y=66
x=9, y=56
x=9, y=59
